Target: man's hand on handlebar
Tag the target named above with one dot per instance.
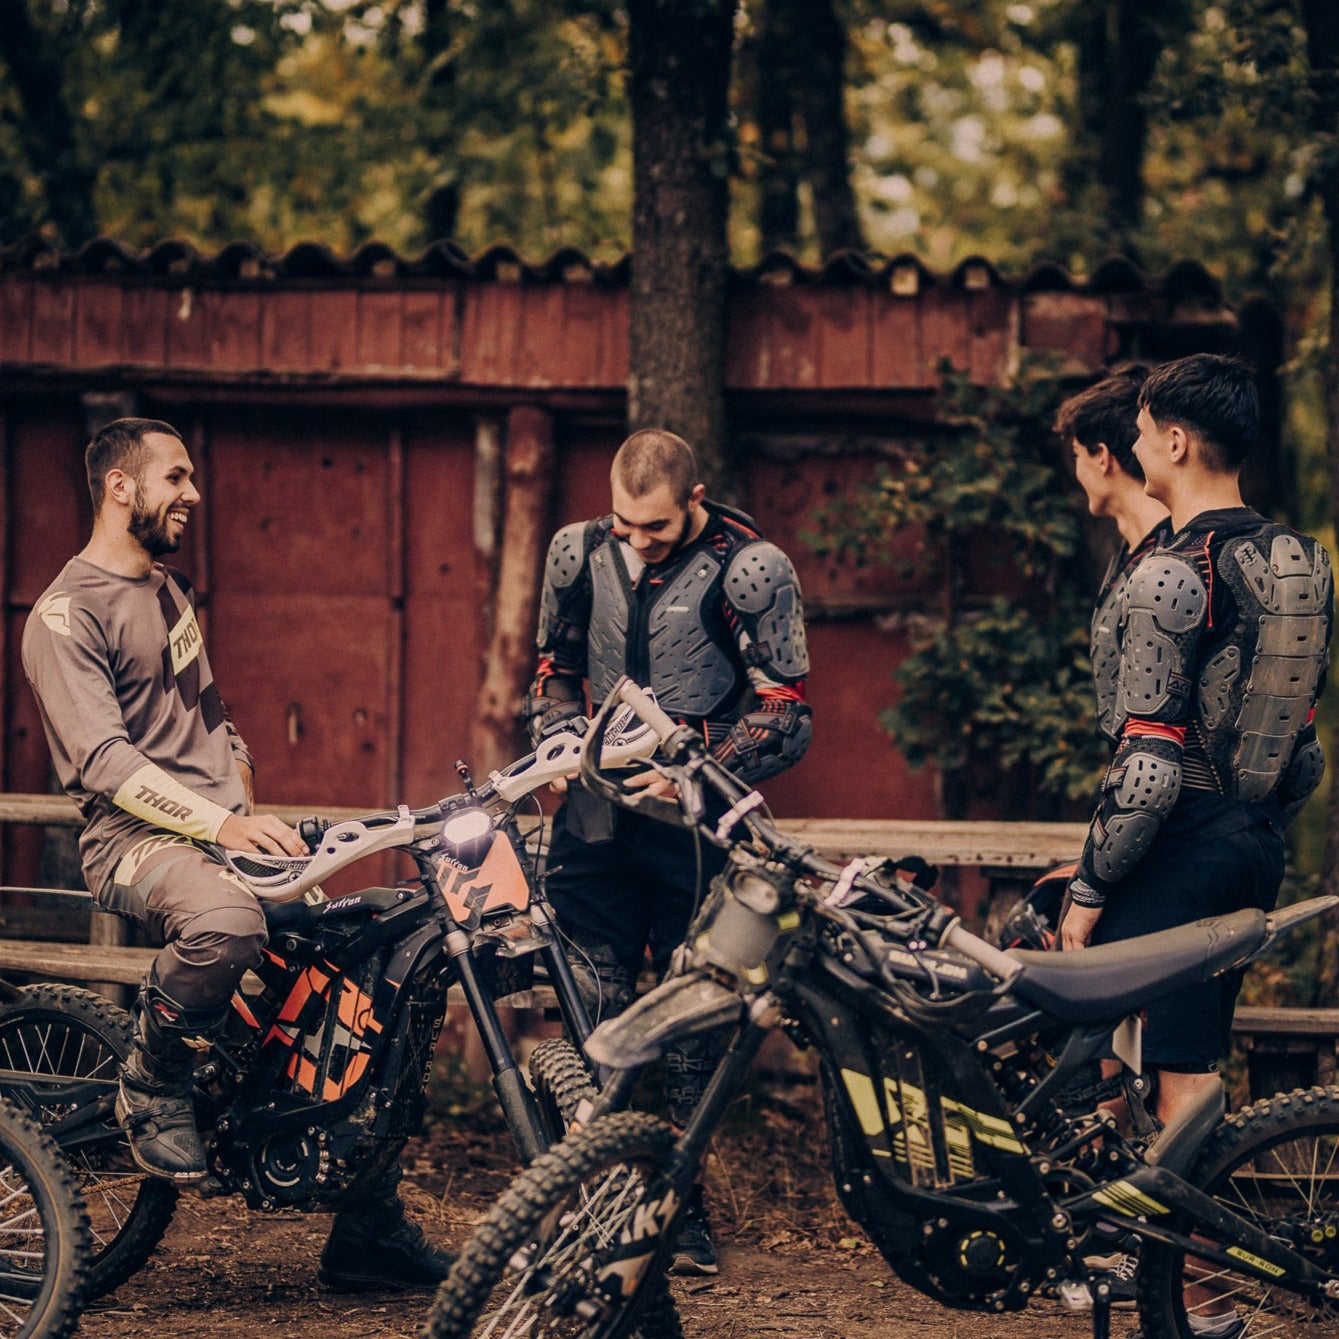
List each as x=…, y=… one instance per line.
x=263, y=834
x=653, y=784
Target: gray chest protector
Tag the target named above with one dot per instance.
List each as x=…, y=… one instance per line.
x=1256, y=691
x=1104, y=643
x=668, y=636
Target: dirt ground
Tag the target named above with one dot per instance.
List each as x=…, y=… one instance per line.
x=791, y=1262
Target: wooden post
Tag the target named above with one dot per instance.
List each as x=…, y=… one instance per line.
x=509, y=662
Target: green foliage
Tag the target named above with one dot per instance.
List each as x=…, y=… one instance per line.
x=1003, y=683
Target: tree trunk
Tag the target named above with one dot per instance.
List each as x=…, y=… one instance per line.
x=778, y=172
x=46, y=126
x=1322, y=29
x=510, y=662
x=821, y=61
x=679, y=73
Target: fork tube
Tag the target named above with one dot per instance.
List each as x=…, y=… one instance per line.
x=725, y=1082
x=576, y=1018
x=518, y=1106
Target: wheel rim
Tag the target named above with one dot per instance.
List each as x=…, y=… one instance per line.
x=563, y=1283
x=25, y=1249
x=82, y=1069
x=1289, y=1188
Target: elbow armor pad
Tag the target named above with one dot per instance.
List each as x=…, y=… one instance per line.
x=761, y=586
x=764, y=742
x=1166, y=607
x=1140, y=790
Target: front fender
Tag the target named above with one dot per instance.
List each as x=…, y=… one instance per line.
x=680, y=1007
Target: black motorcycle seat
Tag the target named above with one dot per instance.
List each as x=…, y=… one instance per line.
x=1111, y=980
x=306, y=916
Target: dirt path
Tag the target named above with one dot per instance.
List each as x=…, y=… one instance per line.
x=792, y=1264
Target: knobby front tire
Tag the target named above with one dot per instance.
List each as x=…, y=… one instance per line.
x=45, y=1245
x=561, y=1082
x=61, y=1050
x=1275, y=1163
x=531, y=1266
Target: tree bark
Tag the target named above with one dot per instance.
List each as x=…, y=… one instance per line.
x=1322, y=30
x=679, y=74
x=509, y=665
x=827, y=141
x=46, y=127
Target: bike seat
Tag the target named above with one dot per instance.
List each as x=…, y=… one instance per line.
x=301, y=915
x=1112, y=980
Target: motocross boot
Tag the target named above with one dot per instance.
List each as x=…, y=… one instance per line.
x=153, y=1103
x=373, y=1245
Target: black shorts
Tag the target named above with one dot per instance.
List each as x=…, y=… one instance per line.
x=1186, y=877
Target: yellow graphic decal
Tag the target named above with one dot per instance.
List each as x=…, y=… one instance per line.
x=863, y=1099
x=907, y=1107
x=54, y=611
x=1128, y=1201
x=993, y=1131
x=185, y=641
x=1264, y=1266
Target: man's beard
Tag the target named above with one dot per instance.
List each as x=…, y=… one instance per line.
x=676, y=543
x=151, y=531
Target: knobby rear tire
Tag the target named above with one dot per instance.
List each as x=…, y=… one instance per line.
x=564, y=1212
x=63, y=1032
x=45, y=1243
x=1276, y=1163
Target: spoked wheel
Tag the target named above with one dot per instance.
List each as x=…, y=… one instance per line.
x=1275, y=1164
x=60, y=1053
x=561, y=1081
x=574, y=1247
x=45, y=1247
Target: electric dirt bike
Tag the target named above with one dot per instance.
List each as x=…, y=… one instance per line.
x=319, y=1075
x=45, y=1246
x=944, y=1062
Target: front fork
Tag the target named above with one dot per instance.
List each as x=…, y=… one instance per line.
x=518, y=1106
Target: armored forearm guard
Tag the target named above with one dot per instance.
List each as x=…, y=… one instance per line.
x=763, y=742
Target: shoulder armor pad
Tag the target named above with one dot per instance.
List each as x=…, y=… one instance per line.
x=567, y=553
x=755, y=573
x=1166, y=586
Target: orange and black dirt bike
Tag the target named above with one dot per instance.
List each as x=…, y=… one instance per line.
x=320, y=1074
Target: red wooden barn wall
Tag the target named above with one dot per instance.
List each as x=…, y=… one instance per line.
x=333, y=407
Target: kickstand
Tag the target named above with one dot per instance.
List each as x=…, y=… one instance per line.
x=1101, y=1310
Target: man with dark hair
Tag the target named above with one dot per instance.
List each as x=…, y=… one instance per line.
x=1222, y=636
x=143, y=744
x=686, y=597
x=1099, y=425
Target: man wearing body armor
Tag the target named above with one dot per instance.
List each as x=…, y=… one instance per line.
x=1221, y=643
x=142, y=743
x=688, y=599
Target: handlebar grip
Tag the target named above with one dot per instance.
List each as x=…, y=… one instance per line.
x=647, y=710
x=980, y=951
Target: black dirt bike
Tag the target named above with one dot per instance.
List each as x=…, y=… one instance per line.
x=945, y=1065
x=320, y=1074
x=45, y=1245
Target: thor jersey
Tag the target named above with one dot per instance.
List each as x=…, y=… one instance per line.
x=136, y=727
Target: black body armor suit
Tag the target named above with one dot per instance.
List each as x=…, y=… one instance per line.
x=716, y=631
x=1104, y=638
x=1222, y=651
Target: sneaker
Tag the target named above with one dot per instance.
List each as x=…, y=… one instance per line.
x=1077, y=1295
x=694, y=1251
x=1228, y=1325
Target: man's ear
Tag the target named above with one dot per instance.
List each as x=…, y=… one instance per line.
x=1103, y=459
x=1178, y=444
x=696, y=496
x=119, y=486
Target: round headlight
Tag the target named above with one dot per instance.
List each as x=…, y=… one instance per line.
x=467, y=834
x=755, y=893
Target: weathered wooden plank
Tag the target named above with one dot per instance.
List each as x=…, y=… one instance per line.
x=1257, y=1021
